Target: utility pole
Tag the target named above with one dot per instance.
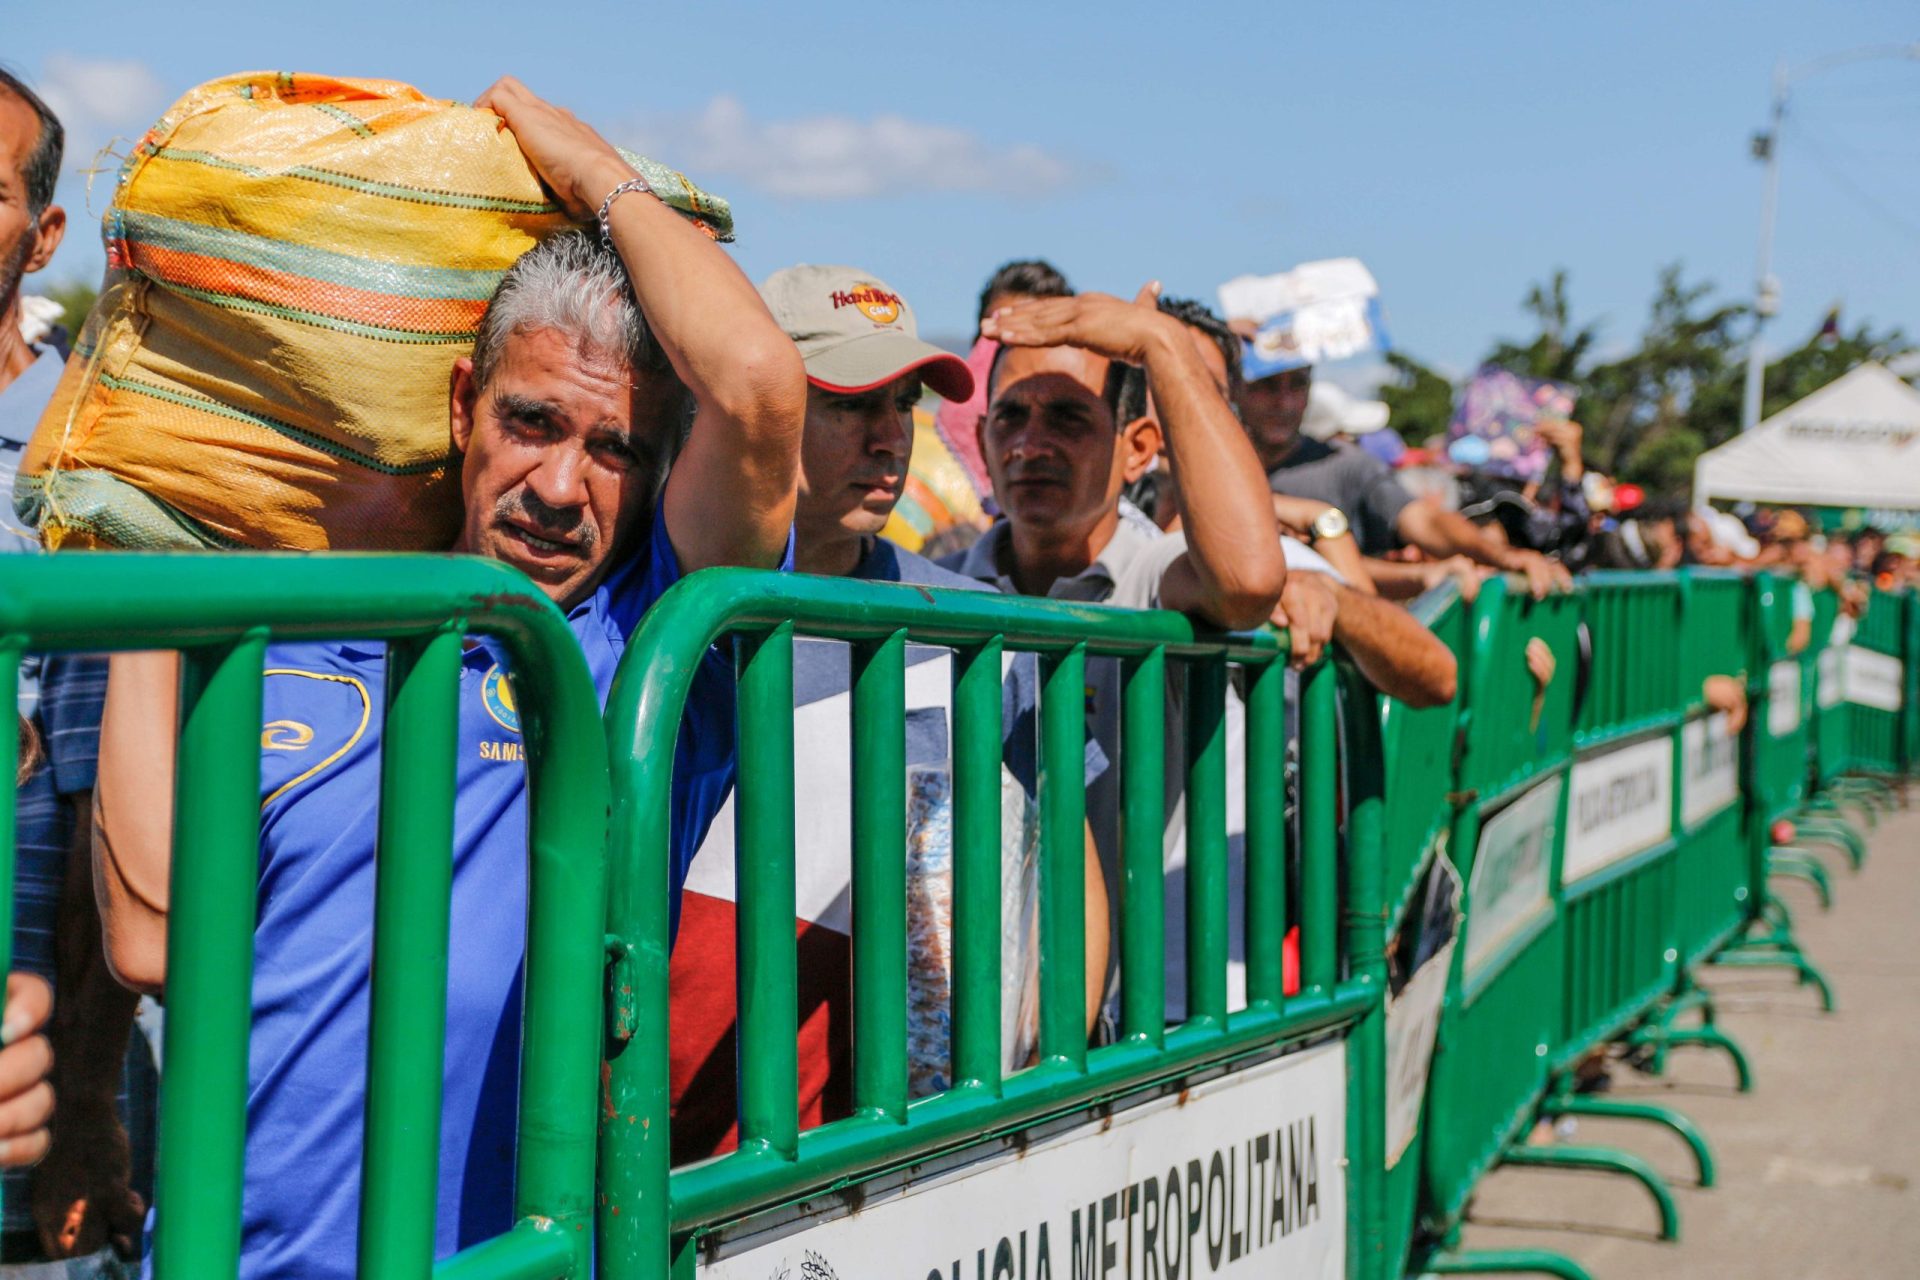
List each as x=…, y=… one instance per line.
x=1766, y=148
x=1766, y=289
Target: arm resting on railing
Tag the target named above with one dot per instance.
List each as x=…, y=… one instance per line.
x=133, y=815
x=1393, y=650
x=1097, y=940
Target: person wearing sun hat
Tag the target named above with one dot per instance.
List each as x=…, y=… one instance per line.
x=865, y=366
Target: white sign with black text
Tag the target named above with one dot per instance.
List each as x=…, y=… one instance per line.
x=1511, y=883
x=1783, y=697
x=1873, y=679
x=1420, y=958
x=1830, y=684
x=1622, y=802
x=1710, y=759
x=1242, y=1175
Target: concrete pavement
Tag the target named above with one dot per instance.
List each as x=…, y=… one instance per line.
x=1819, y=1167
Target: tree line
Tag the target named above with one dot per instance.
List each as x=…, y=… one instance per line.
x=1650, y=412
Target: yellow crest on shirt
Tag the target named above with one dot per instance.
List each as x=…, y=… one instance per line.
x=496, y=694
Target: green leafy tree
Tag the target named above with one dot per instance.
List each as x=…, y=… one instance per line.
x=1650, y=411
x=1419, y=399
x=77, y=298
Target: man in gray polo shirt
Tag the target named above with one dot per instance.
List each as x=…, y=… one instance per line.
x=1060, y=454
x=1273, y=403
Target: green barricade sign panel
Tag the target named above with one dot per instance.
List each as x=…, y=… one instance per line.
x=1622, y=802
x=1783, y=697
x=1710, y=757
x=1512, y=869
x=1242, y=1175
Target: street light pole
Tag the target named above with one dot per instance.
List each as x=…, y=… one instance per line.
x=1766, y=148
x=1766, y=290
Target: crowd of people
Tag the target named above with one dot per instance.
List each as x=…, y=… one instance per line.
x=635, y=410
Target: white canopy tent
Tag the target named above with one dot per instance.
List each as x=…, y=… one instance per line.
x=1853, y=443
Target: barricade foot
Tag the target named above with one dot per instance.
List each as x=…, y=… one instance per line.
x=1840, y=802
x=1604, y=1158
x=1784, y=860
x=1618, y=1109
x=1835, y=831
x=1873, y=796
x=1714, y=1038
x=1456, y=1262
x=1786, y=955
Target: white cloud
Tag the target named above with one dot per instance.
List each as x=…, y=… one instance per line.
x=834, y=157
x=92, y=95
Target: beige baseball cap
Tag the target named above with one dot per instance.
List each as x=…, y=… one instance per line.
x=855, y=333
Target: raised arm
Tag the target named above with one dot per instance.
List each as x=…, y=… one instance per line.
x=730, y=495
x=1232, y=571
x=133, y=815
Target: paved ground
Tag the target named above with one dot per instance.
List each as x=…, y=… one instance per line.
x=1820, y=1166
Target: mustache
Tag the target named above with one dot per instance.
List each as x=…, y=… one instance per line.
x=1037, y=471
x=558, y=524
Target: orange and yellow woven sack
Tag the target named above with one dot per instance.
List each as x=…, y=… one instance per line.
x=294, y=263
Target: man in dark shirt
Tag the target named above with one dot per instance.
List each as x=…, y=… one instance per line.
x=1382, y=513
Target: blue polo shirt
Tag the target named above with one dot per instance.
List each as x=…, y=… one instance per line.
x=321, y=781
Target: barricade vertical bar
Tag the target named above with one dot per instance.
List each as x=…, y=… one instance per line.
x=768, y=999
x=880, y=877
x=1266, y=902
x=413, y=872
x=203, y=1107
x=10, y=762
x=977, y=1051
x=1143, y=970
x=1063, y=889
x=10, y=652
x=1365, y=927
x=1319, y=872
x=1206, y=842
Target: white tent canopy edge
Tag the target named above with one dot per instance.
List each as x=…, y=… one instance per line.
x=1853, y=443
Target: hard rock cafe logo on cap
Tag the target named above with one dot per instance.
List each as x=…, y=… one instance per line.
x=876, y=304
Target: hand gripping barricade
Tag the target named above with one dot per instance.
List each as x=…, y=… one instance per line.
x=221, y=612
x=1239, y=1141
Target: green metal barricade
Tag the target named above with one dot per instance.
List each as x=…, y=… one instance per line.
x=1619, y=882
x=1714, y=895
x=1408, y=761
x=221, y=612
x=1779, y=740
x=1877, y=694
x=1040, y=1134
x=1503, y=1009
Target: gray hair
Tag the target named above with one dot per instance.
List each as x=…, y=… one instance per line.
x=573, y=284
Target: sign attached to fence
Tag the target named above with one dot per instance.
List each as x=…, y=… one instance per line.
x=1422, y=957
x=1872, y=679
x=1783, y=697
x=1242, y=1175
x=1622, y=803
x=1710, y=762
x=1830, y=684
x=1512, y=872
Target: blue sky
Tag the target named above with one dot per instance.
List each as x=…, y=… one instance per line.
x=1462, y=151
